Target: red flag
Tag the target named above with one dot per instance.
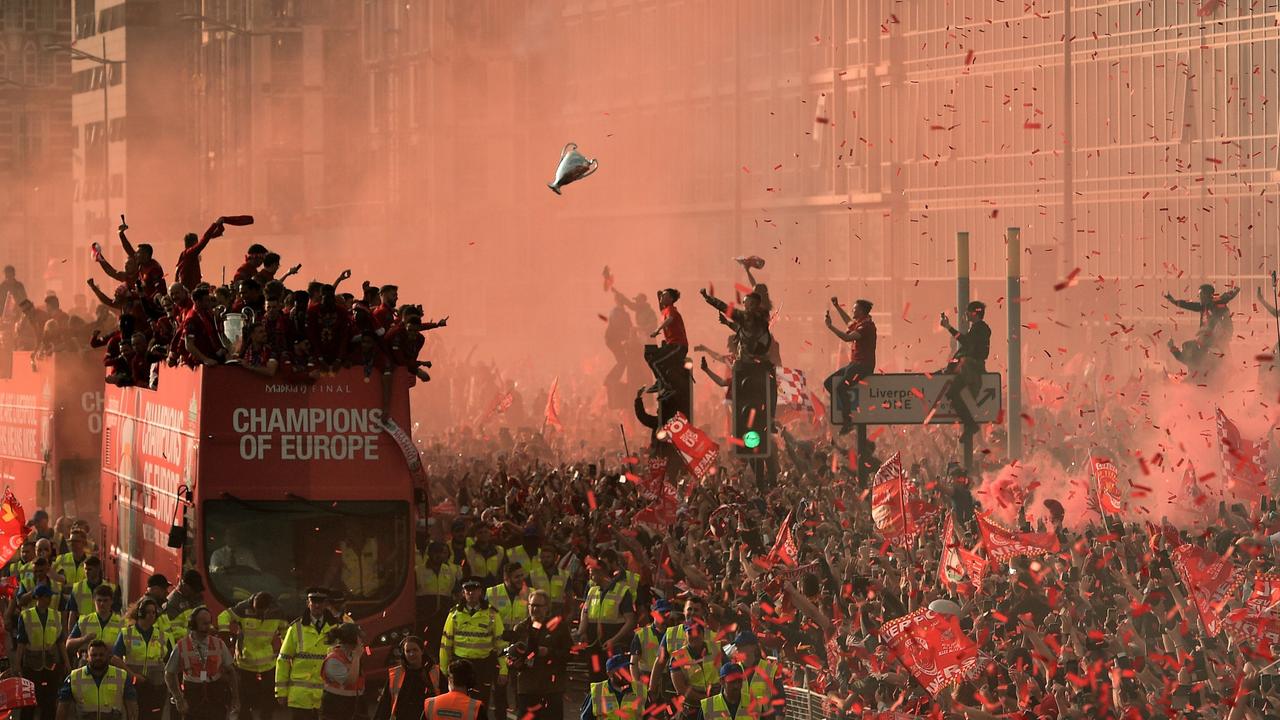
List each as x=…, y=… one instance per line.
x=1265, y=596
x=784, y=547
x=932, y=647
x=819, y=410
x=950, y=567
x=1257, y=634
x=1108, y=485
x=661, y=513
x=975, y=566
x=17, y=693
x=1242, y=460
x=553, y=406
x=1209, y=579
x=446, y=507
x=13, y=526
x=1003, y=544
x=696, y=448
x=890, y=510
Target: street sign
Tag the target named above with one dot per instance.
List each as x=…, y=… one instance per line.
x=909, y=398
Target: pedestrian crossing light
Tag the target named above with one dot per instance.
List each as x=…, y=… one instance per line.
x=751, y=440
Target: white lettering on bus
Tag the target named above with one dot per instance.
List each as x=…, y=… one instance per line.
x=336, y=434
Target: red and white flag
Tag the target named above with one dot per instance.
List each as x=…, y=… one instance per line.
x=1256, y=634
x=932, y=648
x=13, y=526
x=793, y=391
x=1209, y=579
x=661, y=513
x=890, y=509
x=1003, y=544
x=1107, y=478
x=784, y=547
x=17, y=693
x=1264, y=598
x=552, y=413
x=698, y=451
x=1242, y=460
x=950, y=566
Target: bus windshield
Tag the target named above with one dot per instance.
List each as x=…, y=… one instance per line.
x=284, y=547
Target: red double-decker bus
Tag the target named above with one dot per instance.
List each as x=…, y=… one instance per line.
x=263, y=485
x=50, y=430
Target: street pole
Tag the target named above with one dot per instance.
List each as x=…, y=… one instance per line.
x=106, y=147
x=962, y=304
x=1013, y=299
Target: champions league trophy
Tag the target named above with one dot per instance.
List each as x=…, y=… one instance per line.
x=573, y=167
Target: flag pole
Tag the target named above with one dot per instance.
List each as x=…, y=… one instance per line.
x=623, y=430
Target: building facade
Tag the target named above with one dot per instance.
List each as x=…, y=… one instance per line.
x=129, y=115
x=36, y=143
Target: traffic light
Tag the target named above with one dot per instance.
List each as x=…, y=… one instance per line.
x=753, y=392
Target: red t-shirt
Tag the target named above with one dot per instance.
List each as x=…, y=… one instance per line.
x=673, y=333
x=863, y=350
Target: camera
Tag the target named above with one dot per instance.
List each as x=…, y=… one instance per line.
x=517, y=655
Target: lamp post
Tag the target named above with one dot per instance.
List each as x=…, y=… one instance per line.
x=78, y=54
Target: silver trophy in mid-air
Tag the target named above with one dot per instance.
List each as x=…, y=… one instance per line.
x=573, y=167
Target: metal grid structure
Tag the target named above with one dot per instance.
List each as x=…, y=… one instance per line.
x=1136, y=141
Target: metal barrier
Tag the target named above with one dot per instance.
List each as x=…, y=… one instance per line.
x=805, y=704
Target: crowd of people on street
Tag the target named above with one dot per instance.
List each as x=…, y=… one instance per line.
x=887, y=578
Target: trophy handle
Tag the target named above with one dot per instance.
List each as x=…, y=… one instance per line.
x=567, y=148
x=591, y=168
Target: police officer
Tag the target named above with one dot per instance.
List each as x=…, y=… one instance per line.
x=142, y=648
x=158, y=589
x=460, y=703
x=199, y=673
x=473, y=632
x=255, y=626
x=298, y=682
x=617, y=697
x=40, y=654
x=102, y=624
x=98, y=691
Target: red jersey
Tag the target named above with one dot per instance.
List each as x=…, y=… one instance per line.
x=200, y=326
x=247, y=270
x=329, y=331
x=151, y=278
x=673, y=332
x=383, y=316
x=863, y=350
x=404, y=346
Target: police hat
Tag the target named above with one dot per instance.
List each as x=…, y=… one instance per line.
x=617, y=662
x=472, y=582
x=317, y=593
x=732, y=671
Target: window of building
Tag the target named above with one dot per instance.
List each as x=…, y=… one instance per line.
x=286, y=59
x=112, y=18
x=45, y=69
x=117, y=129
x=115, y=73
x=46, y=15
x=86, y=18
x=29, y=61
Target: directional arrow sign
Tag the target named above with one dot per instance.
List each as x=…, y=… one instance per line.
x=908, y=399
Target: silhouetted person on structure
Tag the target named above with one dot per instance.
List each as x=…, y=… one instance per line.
x=1215, y=317
x=968, y=363
x=861, y=332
